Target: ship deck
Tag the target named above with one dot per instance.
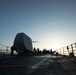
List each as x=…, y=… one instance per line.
x=37, y=65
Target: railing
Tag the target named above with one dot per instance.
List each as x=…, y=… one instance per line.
x=67, y=50
x=4, y=50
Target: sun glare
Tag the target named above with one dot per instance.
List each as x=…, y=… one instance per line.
x=55, y=46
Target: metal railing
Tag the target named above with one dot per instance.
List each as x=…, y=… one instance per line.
x=4, y=50
x=67, y=50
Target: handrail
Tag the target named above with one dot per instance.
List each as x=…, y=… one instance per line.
x=69, y=49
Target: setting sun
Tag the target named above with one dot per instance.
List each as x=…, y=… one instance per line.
x=55, y=45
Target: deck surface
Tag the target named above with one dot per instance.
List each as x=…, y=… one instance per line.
x=37, y=65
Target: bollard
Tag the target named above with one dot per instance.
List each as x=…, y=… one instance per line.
x=68, y=49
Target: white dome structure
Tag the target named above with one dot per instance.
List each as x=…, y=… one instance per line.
x=22, y=44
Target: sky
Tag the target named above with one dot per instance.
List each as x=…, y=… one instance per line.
x=50, y=22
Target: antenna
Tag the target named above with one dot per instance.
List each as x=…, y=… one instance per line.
x=34, y=41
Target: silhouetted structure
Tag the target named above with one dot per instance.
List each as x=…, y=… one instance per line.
x=52, y=52
x=45, y=51
x=34, y=49
x=22, y=44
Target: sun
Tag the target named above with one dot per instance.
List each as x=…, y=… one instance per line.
x=55, y=46
x=56, y=43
